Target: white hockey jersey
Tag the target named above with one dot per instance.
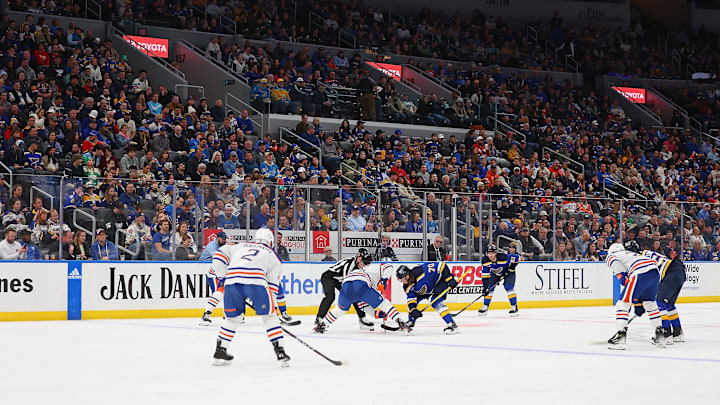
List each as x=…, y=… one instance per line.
x=248, y=263
x=374, y=274
x=630, y=263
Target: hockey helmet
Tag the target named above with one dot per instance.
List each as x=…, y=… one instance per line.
x=362, y=251
x=365, y=257
x=492, y=248
x=615, y=247
x=402, y=272
x=632, y=246
x=266, y=237
x=386, y=270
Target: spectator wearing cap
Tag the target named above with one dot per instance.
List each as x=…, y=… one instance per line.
x=301, y=96
x=140, y=84
x=212, y=246
x=103, y=249
x=33, y=252
x=33, y=159
x=280, y=98
x=356, y=222
x=139, y=237
x=260, y=96
x=115, y=220
x=230, y=166
x=90, y=198
x=160, y=140
x=268, y=168
x=228, y=219
x=91, y=141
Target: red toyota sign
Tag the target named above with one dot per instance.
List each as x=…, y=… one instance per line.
x=394, y=71
x=151, y=46
x=634, y=95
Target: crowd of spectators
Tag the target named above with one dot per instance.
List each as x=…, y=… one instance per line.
x=137, y=155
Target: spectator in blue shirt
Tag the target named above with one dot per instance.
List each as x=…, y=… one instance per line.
x=33, y=252
x=231, y=164
x=129, y=199
x=103, y=249
x=228, y=220
x=161, y=242
x=262, y=217
x=244, y=123
x=260, y=96
x=154, y=105
x=213, y=246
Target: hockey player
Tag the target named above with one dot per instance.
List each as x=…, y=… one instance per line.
x=249, y=271
x=427, y=281
x=672, y=278
x=640, y=277
x=332, y=279
x=362, y=285
x=496, y=267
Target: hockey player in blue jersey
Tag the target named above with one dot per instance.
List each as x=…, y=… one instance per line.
x=363, y=285
x=672, y=278
x=427, y=281
x=496, y=267
x=640, y=277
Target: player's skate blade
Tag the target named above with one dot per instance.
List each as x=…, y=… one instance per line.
x=483, y=311
x=618, y=341
x=514, y=311
x=221, y=356
x=451, y=329
x=206, y=321
x=282, y=357
x=659, y=339
x=286, y=319
x=366, y=325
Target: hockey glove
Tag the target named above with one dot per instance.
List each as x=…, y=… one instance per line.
x=622, y=277
x=452, y=283
x=415, y=314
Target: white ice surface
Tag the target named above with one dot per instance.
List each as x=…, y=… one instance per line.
x=554, y=356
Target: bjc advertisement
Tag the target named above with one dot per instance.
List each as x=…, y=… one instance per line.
x=151, y=46
x=633, y=94
x=394, y=71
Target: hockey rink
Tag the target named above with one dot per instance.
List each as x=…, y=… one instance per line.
x=556, y=356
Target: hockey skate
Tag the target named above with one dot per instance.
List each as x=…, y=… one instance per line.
x=206, y=321
x=667, y=333
x=282, y=357
x=514, y=311
x=483, y=311
x=319, y=327
x=405, y=327
x=617, y=342
x=451, y=329
x=365, y=324
x=222, y=357
x=659, y=339
x=286, y=319
x=677, y=335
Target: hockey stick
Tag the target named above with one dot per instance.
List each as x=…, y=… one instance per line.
x=302, y=342
x=437, y=297
x=468, y=305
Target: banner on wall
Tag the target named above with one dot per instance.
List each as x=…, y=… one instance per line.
x=632, y=94
x=407, y=245
x=394, y=71
x=151, y=46
x=26, y=287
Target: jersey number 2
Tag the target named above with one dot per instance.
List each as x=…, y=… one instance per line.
x=253, y=253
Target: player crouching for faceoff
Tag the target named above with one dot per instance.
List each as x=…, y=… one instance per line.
x=249, y=271
x=362, y=285
x=640, y=277
x=497, y=267
x=427, y=281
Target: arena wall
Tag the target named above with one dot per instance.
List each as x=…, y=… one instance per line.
x=56, y=290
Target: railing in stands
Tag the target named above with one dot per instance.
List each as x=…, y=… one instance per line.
x=232, y=101
x=663, y=45
x=346, y=39
x=92, y=220
x=93, y=10
x=564, y=157
x=571, y=65
x=187, y=93
x=10, y=173
x=228, y=25
x=128, y=236
x=35, y=189
x=531, y=34
x=285, y=132
x=315, y=20
x=495, y=123
x=676, y=61
x=518, y=244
